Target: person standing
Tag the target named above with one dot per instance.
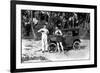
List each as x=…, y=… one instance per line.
x=44, y=32
x=28, y=27
x=58, y=33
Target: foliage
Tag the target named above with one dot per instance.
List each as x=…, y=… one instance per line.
x=52, y=19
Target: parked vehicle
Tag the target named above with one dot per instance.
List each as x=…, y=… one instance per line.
x=70, y=38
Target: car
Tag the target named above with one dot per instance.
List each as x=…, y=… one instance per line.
x=70, y=39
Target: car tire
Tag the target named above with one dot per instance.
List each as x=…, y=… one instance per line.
x=52, y=47
x=76, y=45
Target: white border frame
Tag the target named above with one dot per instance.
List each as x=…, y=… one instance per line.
x=20, y=65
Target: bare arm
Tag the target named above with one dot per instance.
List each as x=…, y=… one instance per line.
x=47, y=31
x=40, y=30
x=60, y=32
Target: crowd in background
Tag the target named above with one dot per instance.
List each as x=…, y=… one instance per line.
x=32, y=21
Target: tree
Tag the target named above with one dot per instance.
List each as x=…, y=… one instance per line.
x=32, y=25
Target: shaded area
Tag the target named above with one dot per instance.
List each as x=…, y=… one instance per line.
x=33, y=20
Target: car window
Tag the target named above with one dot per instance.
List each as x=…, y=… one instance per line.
x=69, y=33
x=75, y=33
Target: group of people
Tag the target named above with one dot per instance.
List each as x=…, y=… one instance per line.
x=44, y=31
x=32, y=20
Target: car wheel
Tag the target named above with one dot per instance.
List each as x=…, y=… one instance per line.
x=52, y=47
x=76, y=45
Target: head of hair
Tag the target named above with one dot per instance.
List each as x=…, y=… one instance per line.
x=44, y=26
x=56, y=27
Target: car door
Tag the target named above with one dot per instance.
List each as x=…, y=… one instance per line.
x=68, y=38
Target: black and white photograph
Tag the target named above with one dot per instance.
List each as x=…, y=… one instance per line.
x=49, y=36
x=52, y=35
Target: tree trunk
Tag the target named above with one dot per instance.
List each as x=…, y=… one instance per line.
x=33, y=32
